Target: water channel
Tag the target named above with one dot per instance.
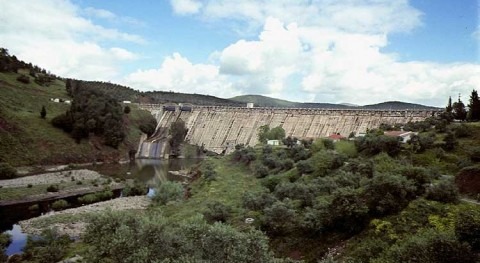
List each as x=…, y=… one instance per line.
x=148, y=171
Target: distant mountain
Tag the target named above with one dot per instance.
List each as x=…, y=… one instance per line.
x=264, y=101
x=398, y=105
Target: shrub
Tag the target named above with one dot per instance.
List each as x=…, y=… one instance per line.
x=304, y=167
x=431, y=247
x=7, y=171
x=29, y=185
x=24, y=79
x=467, y=228
x=96, y=197
x=60, y=204
x=217, y=212
x=52, y=188
x=445, y=191
x=257, y=201
x=260, y=171
x=168, y=192
x=126, y=110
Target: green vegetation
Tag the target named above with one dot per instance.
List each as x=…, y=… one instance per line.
x=265, y=133
x=5, y=240
x=22, y=129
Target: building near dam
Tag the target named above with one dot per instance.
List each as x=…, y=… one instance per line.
x=219, y=128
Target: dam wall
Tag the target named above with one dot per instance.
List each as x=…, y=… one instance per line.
x=221, y=128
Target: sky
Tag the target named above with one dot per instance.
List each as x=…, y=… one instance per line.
x=332, y=51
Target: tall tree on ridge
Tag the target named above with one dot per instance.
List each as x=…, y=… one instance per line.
x=459, y=111
x=474, y=107
x=449, y=106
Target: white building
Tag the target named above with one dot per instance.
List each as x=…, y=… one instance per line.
x=250, y=105
x=273, y=142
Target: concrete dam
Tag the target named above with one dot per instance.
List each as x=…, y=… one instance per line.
x=219, y=129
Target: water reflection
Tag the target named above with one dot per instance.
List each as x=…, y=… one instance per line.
x=152, y=172
x=19, y=239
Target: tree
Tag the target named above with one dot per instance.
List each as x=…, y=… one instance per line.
x=43, y=112
x=449, y=105
x=474, y=107
x=459, y=111
x=126, y=110
x=177, y=133
x=450, y=141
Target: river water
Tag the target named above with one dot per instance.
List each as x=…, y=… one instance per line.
x=148, y=171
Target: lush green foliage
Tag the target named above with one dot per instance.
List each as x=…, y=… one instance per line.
x=116, y=237
x=168, y=192
x=265, y=133
x=51, y=247
x=92, y=112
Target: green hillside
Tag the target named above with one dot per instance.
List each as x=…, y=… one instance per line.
x=27, y=139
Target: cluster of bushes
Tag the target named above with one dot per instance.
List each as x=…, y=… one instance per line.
x=244, y=154
x=96, y=197
x=124, y=238
x=168, y=192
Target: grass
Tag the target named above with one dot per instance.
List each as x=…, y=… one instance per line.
x=232, y=181
x=27, y=139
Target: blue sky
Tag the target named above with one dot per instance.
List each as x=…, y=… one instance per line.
x=355, y=51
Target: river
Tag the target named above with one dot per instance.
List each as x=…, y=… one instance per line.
x=151, y=172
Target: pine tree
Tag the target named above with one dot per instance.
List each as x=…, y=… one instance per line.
x=474, y=107
x=43, y=112
x=449, y=106
x=459, y=111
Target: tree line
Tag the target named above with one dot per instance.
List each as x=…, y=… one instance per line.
x=458, y=111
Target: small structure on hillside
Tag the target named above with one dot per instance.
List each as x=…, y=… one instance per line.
x=250, y=105
x=336, y=137
x=273, y=142
x=126, y=102
x=404, y=135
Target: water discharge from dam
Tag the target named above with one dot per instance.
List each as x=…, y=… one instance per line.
x=221, y=128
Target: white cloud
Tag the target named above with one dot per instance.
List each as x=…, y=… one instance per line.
x=53, y=35
x=178, y=74
x=377, y=16
x=185, y=7
x=100, y=13
x=331, y=51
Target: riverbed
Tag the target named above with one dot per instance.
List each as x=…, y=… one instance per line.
x=146, y=171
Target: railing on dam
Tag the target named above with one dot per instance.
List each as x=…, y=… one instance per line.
x=326, y=111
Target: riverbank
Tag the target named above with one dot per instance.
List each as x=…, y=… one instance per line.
x=72, y=222
x=51, y=178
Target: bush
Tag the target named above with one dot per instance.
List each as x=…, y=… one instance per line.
x=7, y=171
x=431, y=247
x=60, y=205
x=126, y=110
x=260, y=171
x=257, y=201
x=217, y=212
x=445, y=192
x=51, y=247
x=96, y=197
x=467, y=228
x=168, y=192
x=24, y=79
x=52, y=188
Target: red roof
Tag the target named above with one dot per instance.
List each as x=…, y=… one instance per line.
x=336, y=137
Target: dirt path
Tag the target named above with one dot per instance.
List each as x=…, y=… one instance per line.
x=470, y=201
x=75, y=229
